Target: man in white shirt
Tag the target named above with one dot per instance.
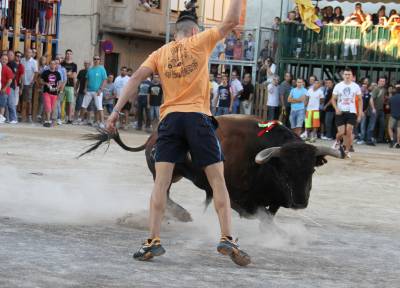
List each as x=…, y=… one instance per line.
x=237, y=89
x=314, y=98
x=119, y=84
x=344, y=102
x=273, y=99
x=31, y=72
x=213, y=93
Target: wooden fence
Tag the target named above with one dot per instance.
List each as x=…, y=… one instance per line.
x=260, y=101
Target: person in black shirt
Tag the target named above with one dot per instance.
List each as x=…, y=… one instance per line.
x=69, y=89
x=225, y=99
x=394, y=121
x=366, y=97
x=246, y=99
x=329, y=111
x=155, y=100
x=80, y=88
x=51, y=80
x=143, y=107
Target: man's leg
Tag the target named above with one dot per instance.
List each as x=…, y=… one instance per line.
x=340, y=133
x=222, y=204
x=158, y=199
x=348, y=138
x=381, y=119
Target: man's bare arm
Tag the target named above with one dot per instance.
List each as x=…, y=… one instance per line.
x=231, y=20
x=130, y=90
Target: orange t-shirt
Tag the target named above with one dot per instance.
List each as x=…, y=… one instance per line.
x=183, y=69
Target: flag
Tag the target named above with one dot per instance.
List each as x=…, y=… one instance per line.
x=307, y=14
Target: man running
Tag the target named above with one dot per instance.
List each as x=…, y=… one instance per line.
x=185, y=124
x=344, y=102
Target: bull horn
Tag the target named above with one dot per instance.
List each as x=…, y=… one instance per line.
x=327, y=151
x=265, y=155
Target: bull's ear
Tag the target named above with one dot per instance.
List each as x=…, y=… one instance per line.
x=265, y=155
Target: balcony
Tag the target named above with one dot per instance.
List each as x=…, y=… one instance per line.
x=128, y=18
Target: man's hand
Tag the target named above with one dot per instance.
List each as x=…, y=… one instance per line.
x=374, y=111
x=111, y=122
x=98, y=92
x=360, y=116
x=338, y=112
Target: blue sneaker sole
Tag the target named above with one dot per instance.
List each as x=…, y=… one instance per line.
x=155, y=252
x=238, y=256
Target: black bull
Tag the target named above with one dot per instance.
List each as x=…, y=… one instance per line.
x=262, y=173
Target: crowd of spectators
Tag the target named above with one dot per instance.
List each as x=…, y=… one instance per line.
x=66, y=96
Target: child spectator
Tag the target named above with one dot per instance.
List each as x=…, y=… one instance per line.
x=155, y=100
x=7, y=77
x=51, y=79
x=314, y=98
x=109, y=94
x=297, y=98
x=225, y=98
x=143, y=107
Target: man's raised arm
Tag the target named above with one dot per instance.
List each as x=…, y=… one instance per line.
x=231, y=20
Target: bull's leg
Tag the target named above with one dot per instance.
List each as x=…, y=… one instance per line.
x=266, y=217
x=177, y=211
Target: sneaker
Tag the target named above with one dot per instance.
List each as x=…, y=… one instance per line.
x=230, y=248
x=13, y=122
x=2, y=119
x=347, y=155
x=360, y=142
x=324, y=138
x=102, y=126
x=59, y=122
x=47, y=124
x=69, y=122
x=397, y=146
x=352, y=149
x=149, y=249
x=369, y=143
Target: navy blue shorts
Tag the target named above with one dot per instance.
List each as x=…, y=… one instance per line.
x=180, y=133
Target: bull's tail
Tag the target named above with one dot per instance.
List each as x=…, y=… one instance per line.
x=104, y=137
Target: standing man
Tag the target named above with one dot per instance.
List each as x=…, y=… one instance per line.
x=69, y=90
x=394, y=121
x=273, y=99
x=60, y=100
x=155, y=100
x=329, y=111
x=7, y=76
x=344, y=103
x=284, y=91
x=247, y=97
x=96, y=81
x=51, y=80
x=186, y=124
x=142, y=104
x=225, y=98
x=31, y=72
x=12, y=100
x=109, y=94
x=237, y=90
x=213, y=93
x=119, y=84
x=377, y=115
x=80, y=88
x=297, y=98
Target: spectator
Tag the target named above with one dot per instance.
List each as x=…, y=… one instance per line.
x=143, y=108
x=230, y=42
x=96, y=80
x=18, y=80
x=274, y=36
x=51, y=80
x=42, y=67
x=329, y=111
x=273, y=99
x=314, y=98
x=225, y=98
x=284, y=91
x=297, y=97
x=80, y=89
x=267, y=71
x=246, y=99
x=218, y=51
x=61, y=92
x=394, y=122
x=292, y=18
x=366, y=133
x=7, y=77
x=130, y=72
x=297, y=15
x=392, y=13
x=12, y=99
x=249, y=46
x=344, y=102
x=238, y=50
x=311, y=81
x=109, y=94
x=120, y=82
x=358, y=15
x=69, y=90
x=264, y=53
x=237, y=90
x=338, y=15
x=352, y=40
x=378, y=113
x=381, y=13
x=329, y=16
x=31, y=72
x=213, y=93
x=155, y=100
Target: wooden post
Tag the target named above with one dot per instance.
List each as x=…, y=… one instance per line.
x=39, y=46
x=49, y=48
x=28, y=41
x=17, y=24
x=5, y=45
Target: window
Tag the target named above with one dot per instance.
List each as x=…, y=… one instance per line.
x=177, y=5
x=215, y=10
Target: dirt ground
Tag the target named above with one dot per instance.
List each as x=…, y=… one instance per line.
x=75, y=223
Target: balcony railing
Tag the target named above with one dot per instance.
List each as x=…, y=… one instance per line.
x=378, y=44
x=36, y=16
